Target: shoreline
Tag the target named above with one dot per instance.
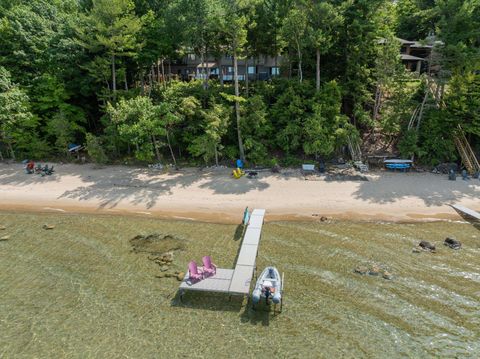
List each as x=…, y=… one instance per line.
x=235, y=218
x=213, y=196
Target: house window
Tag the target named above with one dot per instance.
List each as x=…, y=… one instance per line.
x=251, y=70
x=191, y=57
x=229, y=69
x=214, y=71
x=275, y=71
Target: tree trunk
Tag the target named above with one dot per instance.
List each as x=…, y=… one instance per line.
x=420, y=115
x=318, y=69
x=12, y=152
x=237, y=103
x=150, y=77
x=114, y=77
x=171, y=150
x=142, y=82
x=299, y=53
x=216, y=155
x=378, y=102
x=246, y=76
x=126, y=82
x=163, y=72
x=202, y=67
x=157, y=152
x=207, y=70
x=289, y=66
x=169, y=70
x=158, y=70
x=220, y=71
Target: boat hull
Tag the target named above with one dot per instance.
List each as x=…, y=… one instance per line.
x=272, y=275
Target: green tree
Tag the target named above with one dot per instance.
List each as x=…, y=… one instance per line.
x=236, y=36
x=294, y=32
x=326, y=128
x=109, y=31
x=95, y=149
x=143, y=124
x=16, y=121
x=256, y=129
x=324, y=20
x=208, y=145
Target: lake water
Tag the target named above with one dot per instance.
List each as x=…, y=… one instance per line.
x=79, y=290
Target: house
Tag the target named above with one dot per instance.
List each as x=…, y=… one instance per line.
x=192, y=67
x=415, y=55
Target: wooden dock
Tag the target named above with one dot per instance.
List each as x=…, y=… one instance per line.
x=466, y=211
x=234, y=281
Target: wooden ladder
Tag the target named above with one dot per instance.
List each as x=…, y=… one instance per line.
x=355, y=151
x=469, y=159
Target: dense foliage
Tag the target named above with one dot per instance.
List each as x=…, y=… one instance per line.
x=92, y=72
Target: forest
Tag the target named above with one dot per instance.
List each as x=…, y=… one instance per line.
x=95, y=73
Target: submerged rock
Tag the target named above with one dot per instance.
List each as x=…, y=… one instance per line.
x=323, y=218
x=48, y=226
x=167, y=257
x=361, y=270
x=164, y=268
x=5, y=238
x=2, y=228
x=180, y=276
x=452, y=243
x=374, y=270
x=427, y=246
x=161, y=275
x=415, y=250
x=387, y=275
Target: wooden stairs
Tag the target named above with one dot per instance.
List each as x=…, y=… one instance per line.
x=469, y=159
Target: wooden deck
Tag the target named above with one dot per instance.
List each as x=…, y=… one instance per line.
x=234, y=281
x=220, y=282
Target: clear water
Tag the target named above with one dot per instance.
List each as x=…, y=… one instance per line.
x=79, y=291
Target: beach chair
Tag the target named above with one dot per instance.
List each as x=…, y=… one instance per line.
x=194, y=274
x=209, y=268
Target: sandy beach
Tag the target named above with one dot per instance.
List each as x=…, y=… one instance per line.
x=212, y=195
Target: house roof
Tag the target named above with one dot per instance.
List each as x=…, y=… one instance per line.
x=410, y=57
x=405, y=42
x=419, y=45
x=208, y=65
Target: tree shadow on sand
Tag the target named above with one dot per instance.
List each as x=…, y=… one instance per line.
x=15, y=175
x=426, y=187
x=239, y=186
x=137, y=186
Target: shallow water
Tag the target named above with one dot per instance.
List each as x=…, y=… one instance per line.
x=79, y=291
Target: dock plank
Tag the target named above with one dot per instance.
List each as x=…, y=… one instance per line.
x=220, y=282
x=241, y=280
x=467, y=211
